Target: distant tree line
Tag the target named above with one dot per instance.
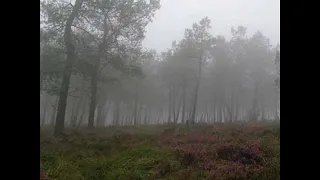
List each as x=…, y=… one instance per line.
x=94, y=71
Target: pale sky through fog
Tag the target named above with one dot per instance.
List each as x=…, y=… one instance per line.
x=174, y=16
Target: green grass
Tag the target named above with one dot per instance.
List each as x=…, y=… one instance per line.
x=154, y=152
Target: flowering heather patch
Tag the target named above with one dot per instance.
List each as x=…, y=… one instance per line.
x=222, y=152
x=248, y=154
x=42, y=176
x=191, y=153
x=188, y=139
x=233, y=170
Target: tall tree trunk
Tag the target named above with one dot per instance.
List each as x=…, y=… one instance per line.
x=178, y=111
x=237, y=107
x=73, y=118
x=70, y=48
x=254, y=112
x=207, y=113
x=170, y=106
x=135, y=113
x=145, y=116
x=100, y=113
x=116, y=112
x=276, y=116
x=95, y=76
x=106, y=114
x=183, y=102
x=139, y=114
x=174, y=103
x=54, y=111
x=94, y=89
x=232, y=104
x=220, y=108
x=43, y=118
x=195, y=102
x=214, y=109
x=82, y=97
x=83, y=112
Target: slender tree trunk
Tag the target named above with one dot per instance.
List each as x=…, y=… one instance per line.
x=139, y=114
x=43, y=118
x=73, y=118
x=254, y=111
x=207, y=113
x=174, y=103
x=237, y=107
x=100, y=113
x=160, y=116
x=232, y=106
x=70, y=48
x=145, y=116
x=95, y=76
x=276, y=116
x=83, y=112
x=178, y=111
x=106, y=114
x=183, y=102
x=170, y=106
x=116, y=112
x=135, y=113
x=214, y=115
x=94, y=89
x=128, y=114
x=193, y=114
x=220, y=108
x=54, y=111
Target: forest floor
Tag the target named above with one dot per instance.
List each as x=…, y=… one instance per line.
x=213, y=152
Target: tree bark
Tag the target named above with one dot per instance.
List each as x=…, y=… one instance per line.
x=70, y=48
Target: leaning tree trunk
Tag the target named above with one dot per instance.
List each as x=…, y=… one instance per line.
x=70, y=48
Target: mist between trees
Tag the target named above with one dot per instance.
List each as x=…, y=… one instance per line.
x=94, y=71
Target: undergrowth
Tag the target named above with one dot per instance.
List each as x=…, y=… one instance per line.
x=222, y=152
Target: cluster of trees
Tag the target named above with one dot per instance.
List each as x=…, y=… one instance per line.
x=94, y=71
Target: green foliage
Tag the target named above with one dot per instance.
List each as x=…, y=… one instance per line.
x=196, y=154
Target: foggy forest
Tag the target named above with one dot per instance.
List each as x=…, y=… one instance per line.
x=96, y=75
